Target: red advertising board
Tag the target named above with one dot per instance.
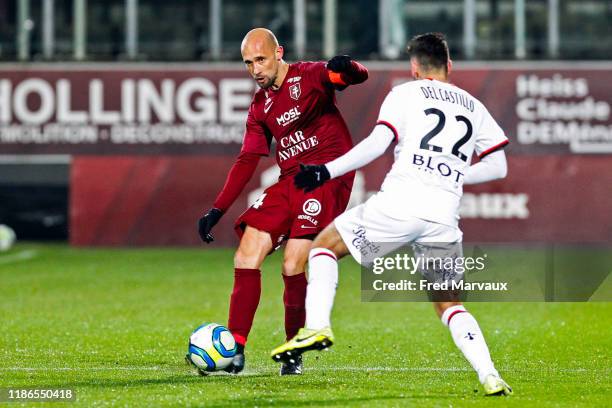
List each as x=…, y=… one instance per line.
x=152, y=145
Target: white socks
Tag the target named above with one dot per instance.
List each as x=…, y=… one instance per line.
x=469, y=339
x=322, y=283
x=321, y=291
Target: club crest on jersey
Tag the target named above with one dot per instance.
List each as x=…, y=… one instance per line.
x=295, y=91
x=312, y=207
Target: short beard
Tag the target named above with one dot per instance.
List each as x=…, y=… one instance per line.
x=268, y=84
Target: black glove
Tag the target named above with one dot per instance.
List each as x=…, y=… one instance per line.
x=339, y=63
x=207, y=222
x=311, y=176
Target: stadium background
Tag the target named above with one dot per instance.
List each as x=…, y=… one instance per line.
x=120, y=119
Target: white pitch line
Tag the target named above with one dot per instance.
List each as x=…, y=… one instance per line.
x=18, y=257
x=85, y=369
x=175, y=369
x=451, y=369
x=356, y=369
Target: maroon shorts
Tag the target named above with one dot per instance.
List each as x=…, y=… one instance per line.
x=285, y=211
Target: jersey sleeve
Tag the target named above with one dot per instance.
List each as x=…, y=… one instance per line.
x=391, y=114
x=363, y=153
x=356, y=74
x=257, y=138
x=319, y=72
x=490, y=136
x=238, y=176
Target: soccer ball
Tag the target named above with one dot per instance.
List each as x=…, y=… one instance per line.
x=7, y=237
x=211, y=347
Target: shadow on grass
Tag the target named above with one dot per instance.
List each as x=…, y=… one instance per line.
x=384, y=400
x=187, y=378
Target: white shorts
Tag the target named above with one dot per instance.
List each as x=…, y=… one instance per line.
x=368, y=233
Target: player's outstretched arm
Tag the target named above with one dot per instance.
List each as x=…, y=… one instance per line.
x=238, y=176
x=344, y=71
x=370, y=148
x=312, y=176
x=491, y=167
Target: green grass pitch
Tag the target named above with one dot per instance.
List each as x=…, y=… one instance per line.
x=113, y=324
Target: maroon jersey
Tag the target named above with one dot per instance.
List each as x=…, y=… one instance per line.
x=303, y=118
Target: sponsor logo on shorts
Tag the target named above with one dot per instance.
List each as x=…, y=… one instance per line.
x=364, y=245
x=312, y=207
x=308, y=218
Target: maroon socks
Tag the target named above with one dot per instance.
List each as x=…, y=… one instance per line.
x=245, y=299
x=244, y=302
x=294, y=299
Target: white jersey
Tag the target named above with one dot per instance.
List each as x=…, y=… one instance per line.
x=438, y=127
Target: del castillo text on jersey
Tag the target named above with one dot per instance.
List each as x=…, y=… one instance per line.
x=433, y=92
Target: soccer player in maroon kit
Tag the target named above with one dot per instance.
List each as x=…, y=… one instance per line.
x=295, y=106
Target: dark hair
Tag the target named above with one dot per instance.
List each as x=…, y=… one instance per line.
x=431, y=50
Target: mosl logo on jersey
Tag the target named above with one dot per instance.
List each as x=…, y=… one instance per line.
x=289, y=116
x=295, y=91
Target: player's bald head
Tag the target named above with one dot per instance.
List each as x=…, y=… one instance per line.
x=261, y=38
x=263, y=57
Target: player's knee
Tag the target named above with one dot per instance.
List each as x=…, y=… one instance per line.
x=253, y=248
x=292, y=266
x=322, y=240
x=248, y=256
x=331, y=240
x=242, y=259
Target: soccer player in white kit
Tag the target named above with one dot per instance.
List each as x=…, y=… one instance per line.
x=437, y=127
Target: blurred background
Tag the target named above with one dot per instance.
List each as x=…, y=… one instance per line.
x=189, y=30
x=119, y=119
